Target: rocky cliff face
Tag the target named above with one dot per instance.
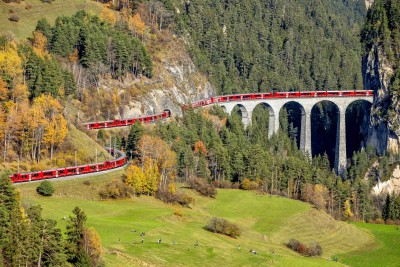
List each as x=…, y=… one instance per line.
x=381, y=73
x=376, y=76
x=176, y=81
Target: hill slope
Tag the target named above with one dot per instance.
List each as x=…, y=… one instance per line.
x=30, y=11
x=263, y=221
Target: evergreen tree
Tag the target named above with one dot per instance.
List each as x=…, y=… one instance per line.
x=75, y=238
x=135, y=133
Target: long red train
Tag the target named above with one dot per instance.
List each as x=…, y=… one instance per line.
x=122, y=159
x=70, y=171
x=119, y=123
x=277, y=95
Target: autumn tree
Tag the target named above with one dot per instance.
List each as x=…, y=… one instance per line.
x=108, y=15
x=347, y=215
x=55, y=132
x=136, y=25
x=92, y=245
x=136, y=179
x=4, y=94
x=39, y=44
x=155, y=152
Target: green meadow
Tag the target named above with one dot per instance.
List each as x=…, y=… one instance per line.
x=30, y=11
x=267, y=223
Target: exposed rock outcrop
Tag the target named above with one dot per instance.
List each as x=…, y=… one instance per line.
x=176, y=81
x=389, y=186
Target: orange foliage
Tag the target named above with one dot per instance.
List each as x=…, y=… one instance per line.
x=200, y=148
x=74, y=57
x=136, y=24
x=3, y=90
x=108, y=15
x=39, y=43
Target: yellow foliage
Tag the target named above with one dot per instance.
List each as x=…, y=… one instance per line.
x=136, y=24
x=247, y=184
x=178, y=212
x=152, y=180
x=108, y=16
x=172, y=188
x=20, y=92
x=11, y=62
x=74, y=56
x=3, y=90
x=93, y=246
x=39, y=43
x=347, y=211
x=55, y=132
x=136, y=179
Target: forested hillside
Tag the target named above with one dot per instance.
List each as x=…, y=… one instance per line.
x=248, y=46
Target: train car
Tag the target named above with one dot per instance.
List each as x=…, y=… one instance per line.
x=70, y=171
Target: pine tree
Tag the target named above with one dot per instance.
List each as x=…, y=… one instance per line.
x=132, y=144
x=75, y=237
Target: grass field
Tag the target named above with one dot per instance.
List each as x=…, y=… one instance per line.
x=29, y=17
x=266, y=224
x=385, y=253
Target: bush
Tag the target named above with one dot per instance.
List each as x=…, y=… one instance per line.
x=389, y=221
x=247, y=184
x=28, y=7
x=178, y=212
x=178, y=198
x=222, y=184
x=14, y=18
x=314, y=249
x=204, y=188
x=235, y=185
x=379, y=221
x=115, y=190
x=45, y=188
x=222, y=226
x=87, y=182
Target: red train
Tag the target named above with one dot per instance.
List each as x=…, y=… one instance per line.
x=70, y=171
x=118, y=123
x=275, y=95
x=122, y=159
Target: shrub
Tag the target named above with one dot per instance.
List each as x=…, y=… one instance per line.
x=45, y=188
x=61, y=163
x=222, y=226
x=178, y=212
x=222, y=184
x=14, y=18
x=235, y=185
x=28, y=7
x=247, y=184
x=177, y=198
x=389, y=221
x=115, y=190
x=203, y=187
x=379, y=221
x=314, y=249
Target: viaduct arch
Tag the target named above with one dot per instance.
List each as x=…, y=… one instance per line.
x=306, y=101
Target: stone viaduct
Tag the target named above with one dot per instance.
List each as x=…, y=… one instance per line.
x=306, y=100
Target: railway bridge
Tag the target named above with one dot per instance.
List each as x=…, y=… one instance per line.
x=306, y=100
x=246, y=103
